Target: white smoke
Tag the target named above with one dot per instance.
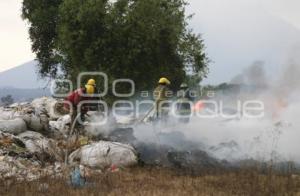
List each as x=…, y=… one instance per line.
x=253, y=75
x=273, y=137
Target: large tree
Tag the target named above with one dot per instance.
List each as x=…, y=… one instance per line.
x=137, y=39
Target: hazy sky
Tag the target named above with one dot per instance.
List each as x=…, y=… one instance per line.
x=236, y=33
x=15, y=46
x=239, y=32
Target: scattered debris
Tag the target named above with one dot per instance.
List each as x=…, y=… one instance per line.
x=77, y=177
x=122, y=135
x=226, y=150
x=44, y=148
x=62, y=125
x=18, y=161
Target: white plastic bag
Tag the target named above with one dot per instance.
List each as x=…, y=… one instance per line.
x=46, y=104
x=104, y=154
x=15, y=126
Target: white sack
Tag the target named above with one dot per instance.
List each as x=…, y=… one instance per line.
x=46, y=104
x=15, y=126
x=36, y=123
x=8, y=114
x=105, y=154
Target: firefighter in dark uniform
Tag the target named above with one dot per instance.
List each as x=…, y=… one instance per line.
x=161, y=95
x=183, y=106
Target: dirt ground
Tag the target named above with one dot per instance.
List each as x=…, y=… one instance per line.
x=160, y=181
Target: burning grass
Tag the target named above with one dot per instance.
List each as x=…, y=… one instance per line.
x=161, y=181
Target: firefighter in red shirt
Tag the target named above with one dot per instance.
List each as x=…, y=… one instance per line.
x=81, y=94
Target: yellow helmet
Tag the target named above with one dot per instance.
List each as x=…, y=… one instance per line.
x=164, y=81
x=90, y=89
x=91, y=82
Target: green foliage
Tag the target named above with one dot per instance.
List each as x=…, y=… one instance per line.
x=137, y=39
x=43, y=17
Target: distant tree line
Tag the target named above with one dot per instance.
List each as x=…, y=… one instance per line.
x=7, y=100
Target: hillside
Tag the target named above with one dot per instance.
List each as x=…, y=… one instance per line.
x=23, y=77
x=22, y=83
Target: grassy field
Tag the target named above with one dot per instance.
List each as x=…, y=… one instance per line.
x=159, y=181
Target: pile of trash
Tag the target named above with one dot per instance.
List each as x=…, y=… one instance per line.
x=27, y=156
x=35, y=142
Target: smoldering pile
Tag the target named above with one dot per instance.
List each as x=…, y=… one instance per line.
x=165, y=151
x=35, y=141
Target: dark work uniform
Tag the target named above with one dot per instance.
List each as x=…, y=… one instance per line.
x=184, y=109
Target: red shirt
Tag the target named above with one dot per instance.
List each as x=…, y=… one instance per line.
x=76, y=97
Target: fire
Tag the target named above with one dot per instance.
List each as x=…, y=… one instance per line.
x=198, y=106
x=278, y=107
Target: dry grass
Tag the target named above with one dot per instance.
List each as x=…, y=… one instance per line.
x=158, y=181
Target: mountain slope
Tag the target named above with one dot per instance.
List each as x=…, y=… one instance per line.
x=23, y=77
